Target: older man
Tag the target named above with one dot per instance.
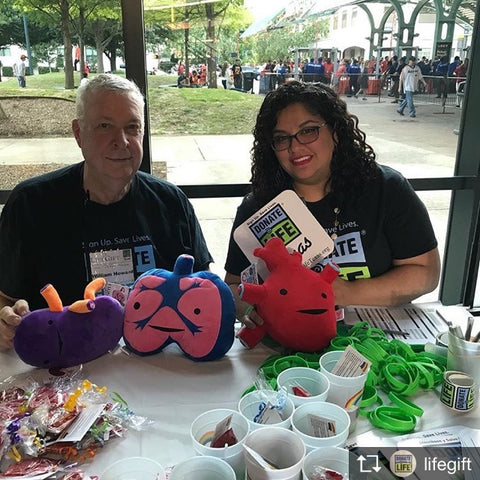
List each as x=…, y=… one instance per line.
x=98, y=218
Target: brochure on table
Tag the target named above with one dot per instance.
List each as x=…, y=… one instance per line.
x=414, y=323
x=286, y=217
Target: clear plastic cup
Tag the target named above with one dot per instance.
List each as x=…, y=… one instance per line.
x=134, y=468
x=281, y=447
x=331, y=458
x=345, y=392
x=202, y=430
x=313, y=381
x=202, y=468
x=330, y=412
x=249, y=407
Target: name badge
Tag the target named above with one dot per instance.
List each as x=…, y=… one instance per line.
x=115, y=266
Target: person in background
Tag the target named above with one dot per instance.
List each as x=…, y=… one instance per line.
x=224, y=74
x=98, y=218
x=84, y=79
x=305, y=140
x=354, y=70
x=461, y=75
x=363, y=83
x=20, y=71
x=441, y=71
x=410, y=77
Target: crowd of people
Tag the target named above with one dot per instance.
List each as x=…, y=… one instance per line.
x=103, y=216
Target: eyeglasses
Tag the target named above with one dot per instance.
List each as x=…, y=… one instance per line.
x=305, y=135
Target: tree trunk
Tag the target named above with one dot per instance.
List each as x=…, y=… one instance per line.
x=99, y=47
x=81, y=37
x=211, y=52
x=67, y=44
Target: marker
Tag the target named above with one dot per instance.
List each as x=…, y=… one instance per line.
x=477, y=337
x=468, y=331
x=457, y=331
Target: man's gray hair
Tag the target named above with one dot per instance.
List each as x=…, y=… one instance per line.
x=106, y=81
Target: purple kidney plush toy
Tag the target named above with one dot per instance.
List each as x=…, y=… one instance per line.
x=195, y=310
x=67, y=336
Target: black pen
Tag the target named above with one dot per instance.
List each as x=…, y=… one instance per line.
x=394, y=332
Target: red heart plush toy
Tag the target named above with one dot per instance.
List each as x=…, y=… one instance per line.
x=297, y=304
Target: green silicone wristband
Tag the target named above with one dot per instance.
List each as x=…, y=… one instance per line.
x=408, y=385
x=369, y=397
x=341, y=343
x=392, y=419
x=288, y=362
x=405, y=404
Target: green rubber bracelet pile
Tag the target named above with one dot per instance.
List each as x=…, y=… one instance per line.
x=397, y=369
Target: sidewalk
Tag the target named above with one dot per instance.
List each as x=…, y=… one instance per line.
x=421, y=147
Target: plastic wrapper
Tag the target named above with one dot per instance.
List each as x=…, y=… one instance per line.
x=34, y=416
x=322, y=473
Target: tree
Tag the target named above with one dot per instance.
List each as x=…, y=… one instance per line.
x=278, y=44
x=53, y=12
x=215, y=13
x=99, y=22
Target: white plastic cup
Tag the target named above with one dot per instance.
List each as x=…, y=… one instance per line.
x=330, y=412
x=281, y=447
x=249, y=406
x=134, y=468
x=202, y=430
x=202, y=468
x=345, y=392
x=464, y=356
x=314, y=381
x=331, y=458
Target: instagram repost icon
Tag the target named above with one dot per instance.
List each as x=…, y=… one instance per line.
x=403, y=463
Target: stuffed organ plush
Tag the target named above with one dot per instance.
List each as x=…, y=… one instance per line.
x=67, y=336
x=194, y=310
x=297, y=304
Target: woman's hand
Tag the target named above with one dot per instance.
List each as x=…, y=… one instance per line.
x=245, y=312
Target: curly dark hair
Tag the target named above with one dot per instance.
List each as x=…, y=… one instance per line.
x=353, y=162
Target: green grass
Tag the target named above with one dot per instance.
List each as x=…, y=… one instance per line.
x=173, y=111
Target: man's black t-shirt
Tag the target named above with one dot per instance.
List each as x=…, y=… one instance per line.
x=50, y=232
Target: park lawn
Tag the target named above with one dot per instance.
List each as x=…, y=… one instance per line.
x=187, y=111
x=172, y=111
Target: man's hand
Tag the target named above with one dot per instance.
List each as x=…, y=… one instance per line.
x=10, y=318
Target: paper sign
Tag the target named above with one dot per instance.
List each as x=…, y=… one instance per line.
x=287, y=218
x=351, y=364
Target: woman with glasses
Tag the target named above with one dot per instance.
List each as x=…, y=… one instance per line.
x=305, y=140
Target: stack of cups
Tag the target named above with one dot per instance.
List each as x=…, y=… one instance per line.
x=313, y=381
x=250, y=404
x=202, y=468
x=203, y=428
x=345, y=392
x=278, y=446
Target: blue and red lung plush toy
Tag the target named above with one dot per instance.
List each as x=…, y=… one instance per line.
x=194, y=310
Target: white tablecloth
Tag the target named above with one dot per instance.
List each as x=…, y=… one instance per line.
x=173, y=390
